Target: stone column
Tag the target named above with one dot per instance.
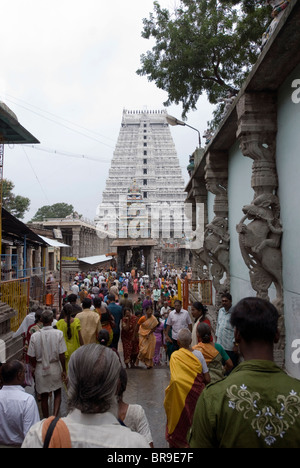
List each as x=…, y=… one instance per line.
x=29, y=261
x=260, y=239
x=45, y=259
x=76, y=242
x=199, y=261
x=38, y=260
x=216, y=236
x=260, y=228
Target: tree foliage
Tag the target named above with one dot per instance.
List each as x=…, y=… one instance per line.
x=58, y=210
x=14, y=204
x=202, y=46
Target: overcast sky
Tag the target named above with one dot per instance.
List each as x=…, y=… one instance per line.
x=68, y=69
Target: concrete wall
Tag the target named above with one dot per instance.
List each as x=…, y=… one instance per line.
x=241, y=193
x=288, y=168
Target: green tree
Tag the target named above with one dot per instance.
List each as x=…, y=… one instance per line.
x=58, y=210
x=14, y=204
x=202, y=46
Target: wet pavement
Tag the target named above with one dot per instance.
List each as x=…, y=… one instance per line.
x=147, y=388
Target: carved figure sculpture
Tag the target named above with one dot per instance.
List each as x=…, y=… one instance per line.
x=216, y=247
x=227, y=101
x=278, y=8
x=216, y=236
x=260, y=243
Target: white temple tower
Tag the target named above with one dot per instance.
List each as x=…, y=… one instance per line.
x=145, y=158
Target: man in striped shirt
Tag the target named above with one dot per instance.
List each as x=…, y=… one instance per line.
x=225, y=331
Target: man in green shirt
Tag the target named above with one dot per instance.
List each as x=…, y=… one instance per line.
x=257, y=405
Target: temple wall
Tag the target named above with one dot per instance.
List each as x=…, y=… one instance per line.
x=250, y=170
x=288, y=169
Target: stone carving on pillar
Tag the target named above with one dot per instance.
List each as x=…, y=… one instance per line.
x=260, y=239
x=200, y=264
x=216, y=235
x=260, y=229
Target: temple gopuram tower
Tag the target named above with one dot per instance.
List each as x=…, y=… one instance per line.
x=145, y=168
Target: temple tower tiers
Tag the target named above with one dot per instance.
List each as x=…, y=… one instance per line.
x=145, y=157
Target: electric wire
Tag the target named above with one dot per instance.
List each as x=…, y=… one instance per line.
x=67, y=154
x=61, y=124
x=61, y=118
x=42, y=188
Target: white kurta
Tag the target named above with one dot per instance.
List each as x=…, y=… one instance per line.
x=46, y=347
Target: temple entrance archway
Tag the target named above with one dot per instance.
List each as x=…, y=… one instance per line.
x=135, y=253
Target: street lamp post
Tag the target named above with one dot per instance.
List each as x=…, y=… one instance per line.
x=173, y=121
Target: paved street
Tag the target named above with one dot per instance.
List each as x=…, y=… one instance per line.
x=147, y=388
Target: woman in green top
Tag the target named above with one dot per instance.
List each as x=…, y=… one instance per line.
x=137, y=307
x=70, y=327
x=214, y=354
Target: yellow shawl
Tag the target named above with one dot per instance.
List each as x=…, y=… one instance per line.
x=181, y=395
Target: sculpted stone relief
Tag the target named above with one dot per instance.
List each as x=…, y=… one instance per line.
x=260, y=228
x=215, y=250
x=260, y=244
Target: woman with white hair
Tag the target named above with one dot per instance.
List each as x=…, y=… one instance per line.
x=92, y=421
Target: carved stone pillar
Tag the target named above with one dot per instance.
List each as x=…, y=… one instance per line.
x=76, y=242
x=260, y=228
x=216, y=236
x=199, y=263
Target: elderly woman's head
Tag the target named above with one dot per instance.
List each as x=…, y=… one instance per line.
x=93, y=378
x=184, y=338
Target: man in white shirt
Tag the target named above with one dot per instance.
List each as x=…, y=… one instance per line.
x=75, y=288
x=178, y=318
x=156, y=296
x=28, y=320
x=164, y=311
x=47, y=355
x=18, y=409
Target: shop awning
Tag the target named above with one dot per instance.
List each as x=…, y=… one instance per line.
x=53, y=242
x=11, y=131
x=95, y=259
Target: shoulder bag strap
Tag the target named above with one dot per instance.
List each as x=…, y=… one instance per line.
x=50, y=432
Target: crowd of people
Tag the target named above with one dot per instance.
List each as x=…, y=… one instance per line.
x=134, y=309
x=224, y=388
